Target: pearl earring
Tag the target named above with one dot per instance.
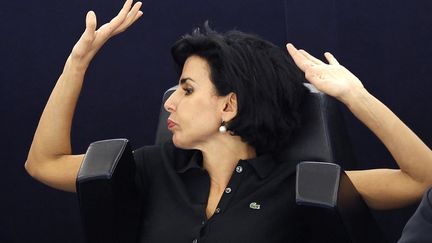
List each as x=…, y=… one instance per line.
x=222, y=128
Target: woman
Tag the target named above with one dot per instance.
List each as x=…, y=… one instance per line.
x=237, y=97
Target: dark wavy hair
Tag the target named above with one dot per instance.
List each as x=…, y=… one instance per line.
x=267, y=83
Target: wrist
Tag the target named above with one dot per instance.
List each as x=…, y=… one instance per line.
x=354, y=96
x=76, y=66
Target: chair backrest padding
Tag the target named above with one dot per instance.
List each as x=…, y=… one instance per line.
x=332, y=206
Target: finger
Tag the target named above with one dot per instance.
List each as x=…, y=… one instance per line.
x=331, y=59
x=89, y=32
x=123, y=28
x=292, y=50
x=299, y=59
x=139, y=14
x=126, y=7
x=133, y=12
x=311, y=58
x=91, y=21
x=121, y=16
x=132, y=16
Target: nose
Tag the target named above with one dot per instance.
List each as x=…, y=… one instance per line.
x=169, y=104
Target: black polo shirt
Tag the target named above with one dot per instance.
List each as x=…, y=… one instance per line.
x=258, y=204
x=419, y=226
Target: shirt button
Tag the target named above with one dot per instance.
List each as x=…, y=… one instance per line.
x=195, y=241
x=227, y=190
x=217, y=210
x=203, y=222
x=239, y=169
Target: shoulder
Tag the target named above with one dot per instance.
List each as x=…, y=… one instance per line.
x=153, y=151
x=165, y=154
x=429, y=196
x=419, y=226
x=424, y=210
x=425, y=207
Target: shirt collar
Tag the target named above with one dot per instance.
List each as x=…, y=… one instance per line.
x=262, y=164
x=190, y=162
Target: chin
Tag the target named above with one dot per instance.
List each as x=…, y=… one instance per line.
x=179, y=143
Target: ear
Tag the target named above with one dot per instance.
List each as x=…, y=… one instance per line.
x=229, y=107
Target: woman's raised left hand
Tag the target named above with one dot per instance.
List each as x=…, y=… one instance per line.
x=332, y=78
x=381, y=188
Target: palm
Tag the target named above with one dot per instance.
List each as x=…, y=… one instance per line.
x=333, y=78
x=92, y=40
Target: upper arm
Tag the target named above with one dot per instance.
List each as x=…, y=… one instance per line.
x=59, y=173
x=386, y=188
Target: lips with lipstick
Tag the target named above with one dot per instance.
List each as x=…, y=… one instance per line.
x=171, y=124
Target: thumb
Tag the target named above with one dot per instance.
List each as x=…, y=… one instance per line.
x=91, y=22
x=331, y=59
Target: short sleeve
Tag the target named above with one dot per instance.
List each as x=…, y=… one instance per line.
x=141, y=173
x=419, y=226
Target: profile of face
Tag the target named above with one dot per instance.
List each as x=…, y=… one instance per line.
x=196, y=110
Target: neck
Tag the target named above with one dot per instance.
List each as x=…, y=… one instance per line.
x=222, y=155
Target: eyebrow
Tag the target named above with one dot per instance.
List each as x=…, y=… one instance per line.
x=183, y=80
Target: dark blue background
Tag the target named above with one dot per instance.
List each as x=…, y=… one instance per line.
x=386, y=43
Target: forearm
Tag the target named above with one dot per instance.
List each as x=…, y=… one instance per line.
x=52, y=136
x=410, y=153
x=382, y=188
x=50, y=158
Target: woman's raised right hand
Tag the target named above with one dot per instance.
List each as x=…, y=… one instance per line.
x=50, y=159
x=92, y=40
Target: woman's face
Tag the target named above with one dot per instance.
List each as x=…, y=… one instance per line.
x=195, y=108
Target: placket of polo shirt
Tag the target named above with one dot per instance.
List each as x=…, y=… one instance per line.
x=223, y=204
x=230, y=190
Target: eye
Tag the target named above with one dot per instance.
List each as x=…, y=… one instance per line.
x=188, y=90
